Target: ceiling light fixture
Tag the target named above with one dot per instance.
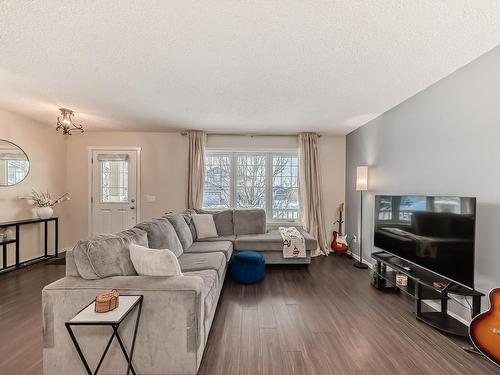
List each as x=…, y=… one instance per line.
x=65, y=122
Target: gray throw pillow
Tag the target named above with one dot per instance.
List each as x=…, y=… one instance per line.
x=223, y=221
x=162, y=235
x=182, y=229
x=107, y=255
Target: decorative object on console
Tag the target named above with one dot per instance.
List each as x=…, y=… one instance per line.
x=106, y=302
x=339, y=241
x=484, y=330
x=44, y=203
x=14, y=164
x=65, y=122
x=361, y=185
x=401, y=280
x=439, y=284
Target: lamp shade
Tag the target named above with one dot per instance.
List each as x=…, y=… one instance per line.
x=362, y=178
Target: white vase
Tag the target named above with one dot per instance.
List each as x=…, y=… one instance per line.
x=45, y=212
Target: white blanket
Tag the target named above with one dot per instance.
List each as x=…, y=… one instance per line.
x=294, y=244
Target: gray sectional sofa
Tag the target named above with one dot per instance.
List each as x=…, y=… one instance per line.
x=177, y=312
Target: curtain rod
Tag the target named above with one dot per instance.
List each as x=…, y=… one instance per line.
x=251, y=134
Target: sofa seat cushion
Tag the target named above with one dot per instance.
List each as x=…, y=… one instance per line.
x=225, y=247
x=230, y=238
x=203, y=261
x=210, y=290
x=270, y=241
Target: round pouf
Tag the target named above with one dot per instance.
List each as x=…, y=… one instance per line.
x=248, y=267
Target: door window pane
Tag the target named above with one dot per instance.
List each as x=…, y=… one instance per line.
x=285, y=188
x=114, y=181
x=217, y=192
x=251, y=181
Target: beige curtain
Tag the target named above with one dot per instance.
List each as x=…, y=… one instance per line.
x=310, y=190
x=196, y=168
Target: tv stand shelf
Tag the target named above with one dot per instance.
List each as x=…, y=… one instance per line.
x=420, y=287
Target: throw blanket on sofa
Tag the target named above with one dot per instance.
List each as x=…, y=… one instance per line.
x=294, y=244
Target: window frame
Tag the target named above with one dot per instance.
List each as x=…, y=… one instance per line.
x=269, y=154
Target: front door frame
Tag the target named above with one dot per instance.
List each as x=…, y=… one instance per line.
x=90, y=177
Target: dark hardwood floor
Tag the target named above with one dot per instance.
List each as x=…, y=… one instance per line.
x=324, y=320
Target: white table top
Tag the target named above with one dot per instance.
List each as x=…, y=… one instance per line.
x=88, y=314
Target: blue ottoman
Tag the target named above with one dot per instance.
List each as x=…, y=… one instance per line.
x=248, y=267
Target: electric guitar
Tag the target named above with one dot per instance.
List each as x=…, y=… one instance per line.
x=484, y=330
x=339, y=242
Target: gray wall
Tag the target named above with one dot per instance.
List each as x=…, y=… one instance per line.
x=443, y=141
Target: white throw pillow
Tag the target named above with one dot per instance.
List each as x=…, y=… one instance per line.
x=205, y=225
x=154, y=262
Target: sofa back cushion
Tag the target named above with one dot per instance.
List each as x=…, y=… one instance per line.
x=223, y=221
x=249, y=221
x=162, y=235
x=107, y=255
x=182, y=229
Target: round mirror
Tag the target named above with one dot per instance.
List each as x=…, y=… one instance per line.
x=14, y=164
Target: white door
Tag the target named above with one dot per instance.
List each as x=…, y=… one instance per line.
x=114, y=205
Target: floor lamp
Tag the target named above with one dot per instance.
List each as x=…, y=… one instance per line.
x=361, y=185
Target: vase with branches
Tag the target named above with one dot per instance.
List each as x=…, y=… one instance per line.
x=44, y=203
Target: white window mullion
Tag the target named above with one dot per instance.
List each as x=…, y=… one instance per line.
x=233, y=179
x=269, y=186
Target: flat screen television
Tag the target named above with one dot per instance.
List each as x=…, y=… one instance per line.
x=434, y=232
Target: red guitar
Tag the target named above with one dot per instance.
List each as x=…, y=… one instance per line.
x=339, y=242
x=484, y=330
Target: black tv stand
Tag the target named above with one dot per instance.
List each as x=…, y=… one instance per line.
x=420, y=287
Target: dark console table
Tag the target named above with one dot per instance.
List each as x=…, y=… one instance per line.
x=17, y=224
x=420, y=287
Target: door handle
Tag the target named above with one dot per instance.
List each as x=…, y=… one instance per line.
x=132, y=208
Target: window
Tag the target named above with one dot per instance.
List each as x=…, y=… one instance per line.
x=114, y=181
x=285, y=187
x=253, y=180
x=217, y=193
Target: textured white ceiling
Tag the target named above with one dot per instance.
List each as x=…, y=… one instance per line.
x=232, y=66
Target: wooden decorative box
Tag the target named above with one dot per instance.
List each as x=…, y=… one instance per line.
x=107, y=301
x=401, y=280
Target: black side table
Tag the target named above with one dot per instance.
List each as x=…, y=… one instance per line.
x=88, y=317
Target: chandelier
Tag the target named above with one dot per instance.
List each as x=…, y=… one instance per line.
x=65, y=122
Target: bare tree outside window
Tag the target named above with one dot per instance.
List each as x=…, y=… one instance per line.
x=261, y=180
